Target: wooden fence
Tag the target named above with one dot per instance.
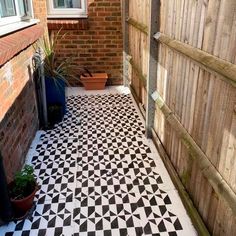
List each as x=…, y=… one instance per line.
x=185, y=50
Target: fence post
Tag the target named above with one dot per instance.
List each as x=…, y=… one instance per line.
x=154, y=24
x=125, y=15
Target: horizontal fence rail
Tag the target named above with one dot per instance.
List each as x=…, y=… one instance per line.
x=222, y=67
x=138, y=71
x=138, y=25
x=209, y=171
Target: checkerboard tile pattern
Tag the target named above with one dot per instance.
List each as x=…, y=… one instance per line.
x=99, y=176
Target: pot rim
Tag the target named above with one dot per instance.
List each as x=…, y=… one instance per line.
x=96, y=76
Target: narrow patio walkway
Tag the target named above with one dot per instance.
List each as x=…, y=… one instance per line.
x=99, y=175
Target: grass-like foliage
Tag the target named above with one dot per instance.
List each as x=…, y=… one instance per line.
x=55, y=68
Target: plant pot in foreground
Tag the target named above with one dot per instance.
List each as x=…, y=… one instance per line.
x=97, y=82
x=25, y=204
x=55, y=114
x=55, y=92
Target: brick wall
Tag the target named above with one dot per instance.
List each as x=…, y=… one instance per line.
x=18, y=112
x=40, y=12
x=17, y=130
x=96, y=43
x=19, y=120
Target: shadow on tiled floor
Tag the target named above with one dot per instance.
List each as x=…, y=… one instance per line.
x=99, y=175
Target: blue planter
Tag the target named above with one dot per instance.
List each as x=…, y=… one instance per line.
x=55, y=92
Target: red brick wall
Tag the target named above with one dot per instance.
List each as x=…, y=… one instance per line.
x=99, y=47
x=40, y=11
x=18, y=112
x=17, y=130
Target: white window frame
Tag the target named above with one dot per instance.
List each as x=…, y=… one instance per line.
x=18, y=17
x=67, y=12
x=14, y=23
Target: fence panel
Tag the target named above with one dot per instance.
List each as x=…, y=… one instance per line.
x=201, y=98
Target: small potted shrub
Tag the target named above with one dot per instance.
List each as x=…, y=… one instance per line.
x=22, y=190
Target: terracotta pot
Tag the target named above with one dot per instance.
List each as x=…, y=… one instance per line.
x=25, y=204
x=97, y=82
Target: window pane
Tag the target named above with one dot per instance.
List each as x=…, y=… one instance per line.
x=67, y=3
x=7, y=8
x=23, y=7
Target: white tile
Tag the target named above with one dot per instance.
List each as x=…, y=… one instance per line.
x=124, y=162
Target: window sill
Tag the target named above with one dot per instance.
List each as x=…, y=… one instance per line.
x=10, y=28
x=13, y=43
x=68, y=24
x=67, y=16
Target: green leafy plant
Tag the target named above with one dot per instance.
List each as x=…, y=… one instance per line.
x=24, y=183
x=54, y=68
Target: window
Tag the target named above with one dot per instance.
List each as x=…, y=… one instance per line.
x=67, y=8
x=15, y=15
x=12, y=11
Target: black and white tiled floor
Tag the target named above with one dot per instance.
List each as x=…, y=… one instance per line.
x=100, y=176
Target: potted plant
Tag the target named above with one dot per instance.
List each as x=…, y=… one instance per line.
x=22, y=190
x=57, y=74
x=94, y=81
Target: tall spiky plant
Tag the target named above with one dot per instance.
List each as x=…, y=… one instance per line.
x=54, y=69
